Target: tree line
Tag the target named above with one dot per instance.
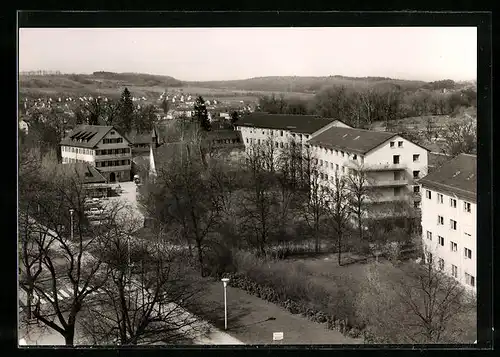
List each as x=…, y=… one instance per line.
x=360, y=107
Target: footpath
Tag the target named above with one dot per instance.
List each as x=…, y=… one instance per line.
x=253, y=320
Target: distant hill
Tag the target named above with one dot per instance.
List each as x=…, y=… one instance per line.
x=306, y=84
x=110, y=83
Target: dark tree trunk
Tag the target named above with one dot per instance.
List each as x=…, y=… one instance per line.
x=339, y=247
x=69, y=336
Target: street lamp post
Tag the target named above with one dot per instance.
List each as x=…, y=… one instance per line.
x=71, y=211
x=225, y=281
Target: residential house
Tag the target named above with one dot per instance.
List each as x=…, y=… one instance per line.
x=102, y=147
x=449, y=206
x=392, y=164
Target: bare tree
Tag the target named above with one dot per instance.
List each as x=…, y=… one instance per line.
x=418, y=304
x=360, y=190
x=258, y=203
x=141, y=303
x=61, y=242
x=338, y=209
x=460, y=137
x=430, y=128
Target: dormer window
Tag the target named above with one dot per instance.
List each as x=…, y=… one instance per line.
x=112, y=132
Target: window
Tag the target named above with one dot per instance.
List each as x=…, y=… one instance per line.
x=281, y=145
x=331, y=165
x=342, y=153
x=467, y=206
x=337, y=167
x=343, y=169
x=416, y=157
x=441, y=241
x=453, y=203
x=112, y=132
x=400, y=144
x=429, y=257
x=247, y=140
x=429, y=235
x=354, y=157
x=454, y=271
x=440, y=198
x=453, y=246
x=307, y=136
x=453, y=224
x=395, y=159
x=337, y=152
x=392, y=144
x=469, y=279
x=397, y=191
x=263, y=132
x=416, y=174
x=441, y=263
x=416, y=189
x=440, y=220
x=428, y=194
x=326, y=177
x=320, y=162
x=416, y=204
x=467, y=253
x=281, y=132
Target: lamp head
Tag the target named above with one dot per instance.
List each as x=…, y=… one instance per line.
x=71, y=210
x=225, y=280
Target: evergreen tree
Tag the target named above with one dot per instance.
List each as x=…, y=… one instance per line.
x=234, y=117
x=201, y=114
x=126, y=112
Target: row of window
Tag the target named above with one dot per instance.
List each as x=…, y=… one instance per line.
x=393, y=144
x=112, y=151
x=281, y=133
x=342, y=153
x=112, y=163
x=453, y=202
x=469, y=279
x=453, y=245
x=453, y=223
x=396, y=159
x=77, y=150
x=112, y=141
x=69, y=160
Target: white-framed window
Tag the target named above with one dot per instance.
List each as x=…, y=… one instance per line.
x=453, y=224
x=354, y=156
x=400, y=144
x=441, y=240
x=416, y=189
x=416, y=204
x=112, y=132
x=454, y=271
x=416, y=157
x=429, y=235
x=441, y=264
x=331, y=165
x=440, y=198
x=247, y=140
x=440, y=220
x=343, y=153
x=470, y=280
x=281, y=132
x=320, y=162
x=416, y=174
x=392, y=144
x=395, y=159
x=337, y=167
x=467, y=253
x=453, y=203
x=428, y=194
x=453, y=246
x=337, y=152
x=467, y=207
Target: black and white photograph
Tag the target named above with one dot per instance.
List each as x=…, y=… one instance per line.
x=247, y=185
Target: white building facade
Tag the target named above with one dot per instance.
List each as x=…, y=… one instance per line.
x=449, y=212
x=102, y=147
x=392, y=164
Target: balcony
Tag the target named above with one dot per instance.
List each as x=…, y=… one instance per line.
x=385, y=167
x=387, y=183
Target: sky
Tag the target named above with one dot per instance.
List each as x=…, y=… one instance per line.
x=201, y=54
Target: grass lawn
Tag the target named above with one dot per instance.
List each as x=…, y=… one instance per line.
x=253, y=320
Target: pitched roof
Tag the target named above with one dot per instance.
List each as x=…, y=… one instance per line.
x=297, y=123
x=351, y=139
x=84, y=171
x=86, y=136
x=458, y=176
x=136, y=137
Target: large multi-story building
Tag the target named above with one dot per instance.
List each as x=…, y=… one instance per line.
x=102, y=147
x=392, y=164
x=449, y=218
x=258, y=128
